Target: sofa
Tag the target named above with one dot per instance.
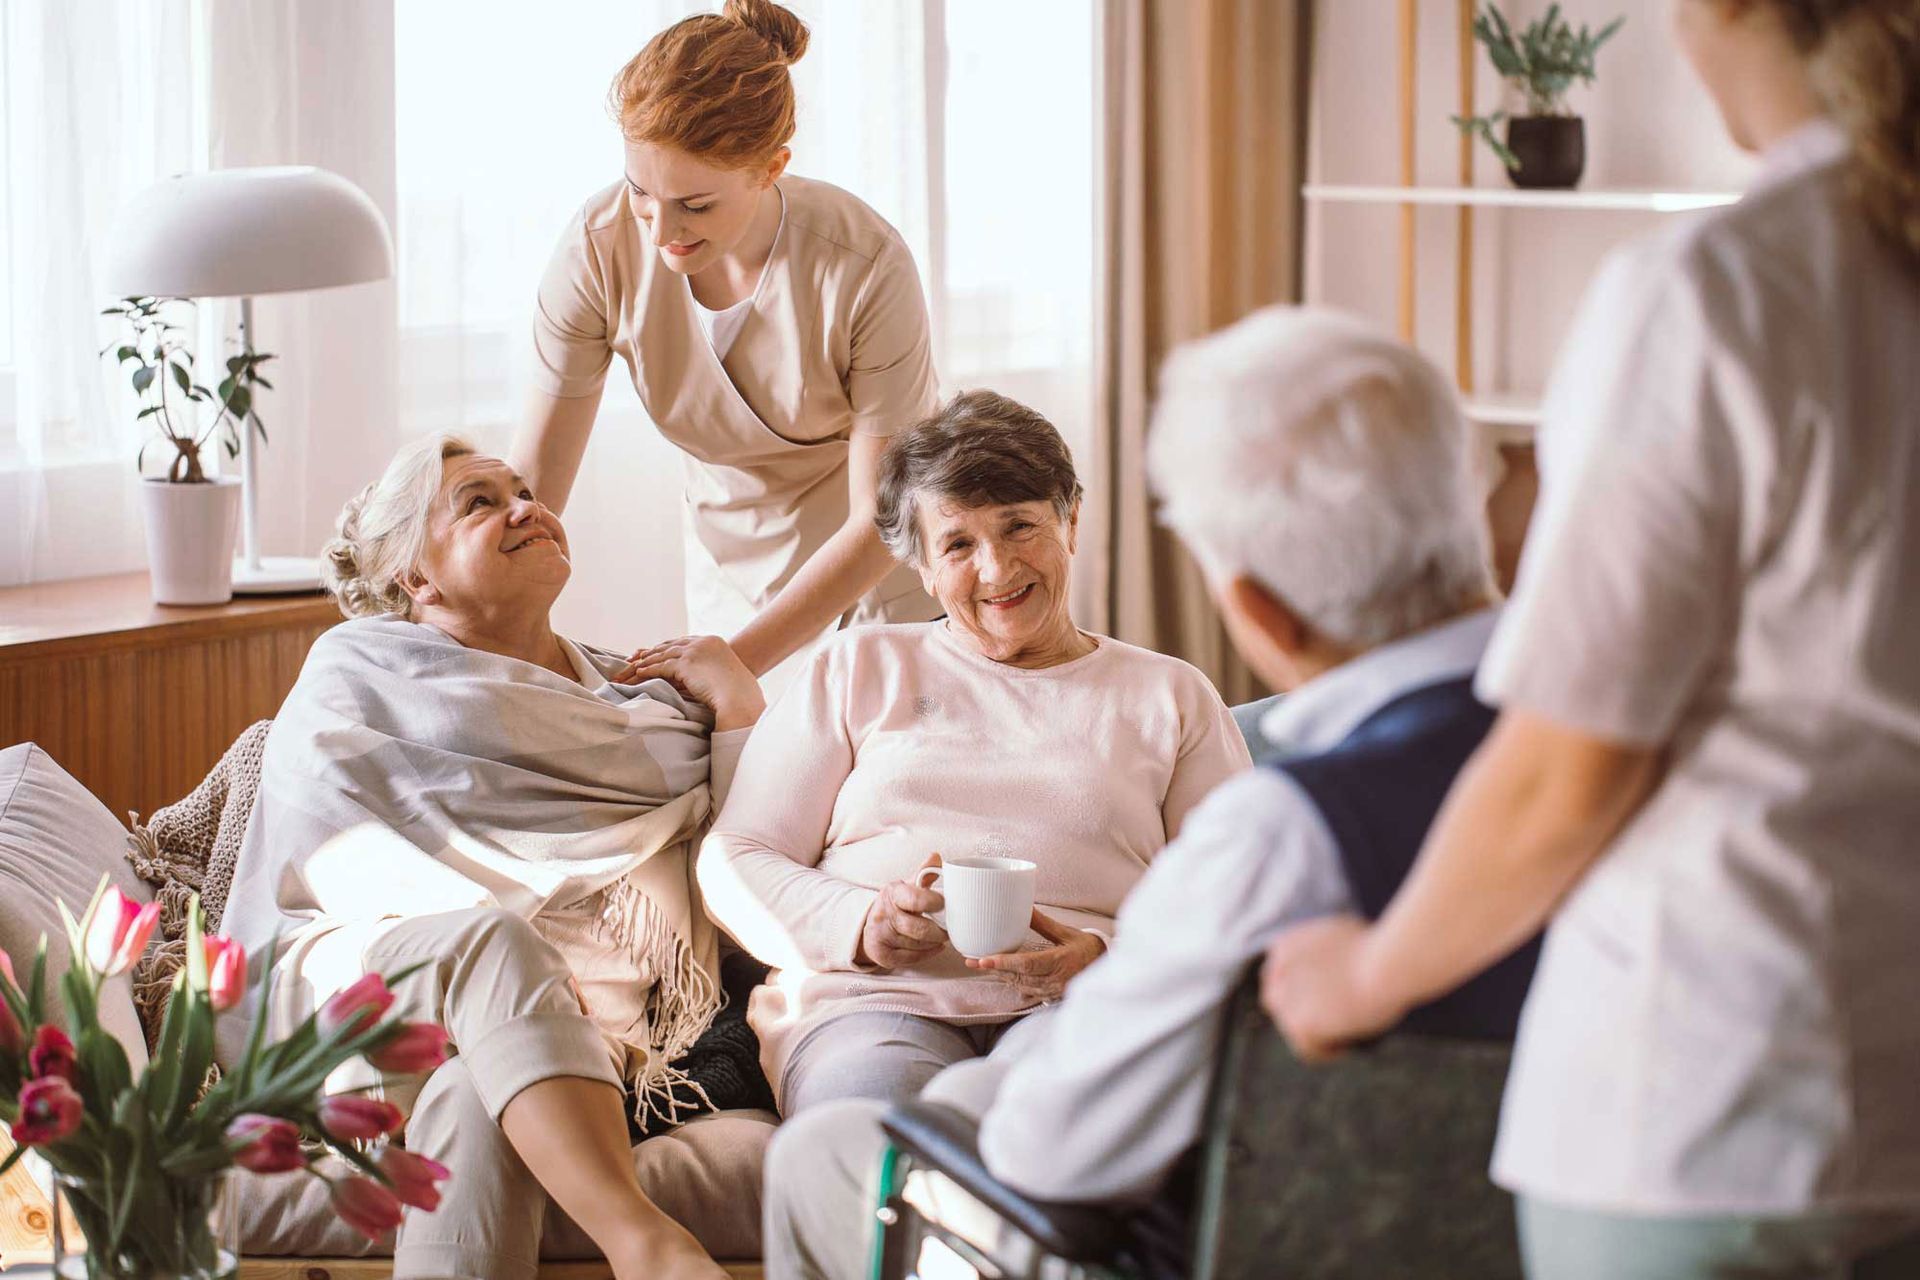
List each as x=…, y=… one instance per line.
x=56, y=840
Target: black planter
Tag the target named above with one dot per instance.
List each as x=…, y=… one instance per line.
x=1552, y=150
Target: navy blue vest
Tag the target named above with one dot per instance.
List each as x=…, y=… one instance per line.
x=1378, y=792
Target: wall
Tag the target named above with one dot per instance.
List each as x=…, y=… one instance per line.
x=1649, y=124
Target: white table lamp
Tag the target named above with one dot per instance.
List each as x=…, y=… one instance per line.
x=234, y=233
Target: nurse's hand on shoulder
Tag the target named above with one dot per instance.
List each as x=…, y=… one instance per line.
x=1316, y=987
x=706, y=669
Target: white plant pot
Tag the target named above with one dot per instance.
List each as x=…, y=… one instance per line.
x=190, y=534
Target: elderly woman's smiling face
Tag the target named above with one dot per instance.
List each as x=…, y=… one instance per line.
x=1001, y=573
x=491, y=548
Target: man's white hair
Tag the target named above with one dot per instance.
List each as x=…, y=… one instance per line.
x=1330, y=463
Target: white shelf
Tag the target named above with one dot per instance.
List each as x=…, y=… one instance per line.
x=1513, y=416
x=1513, y=197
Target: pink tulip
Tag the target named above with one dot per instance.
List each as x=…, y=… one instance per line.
x=420, y=1046
x=358, y=1006
x=359, y=1119
x=119, y=932
x=366, y=1206
x=226, y=973
x=265, y=1144
x=49, y=1111
x=52, y=1053
x=416, y=1180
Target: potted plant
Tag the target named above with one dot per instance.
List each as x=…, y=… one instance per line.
x=1547, y=146
x=192, y=518
x=140, y=1164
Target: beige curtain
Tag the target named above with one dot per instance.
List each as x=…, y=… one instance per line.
x=1204, y=158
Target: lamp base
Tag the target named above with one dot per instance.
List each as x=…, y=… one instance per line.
x=274, y=575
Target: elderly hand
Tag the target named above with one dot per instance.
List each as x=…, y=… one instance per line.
x=706, y=669
x=1316, y=988
x=896, y=933
x=1044, y=974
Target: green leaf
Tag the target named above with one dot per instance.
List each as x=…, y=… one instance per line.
x=125, y=354
x=261, y=427
x=240, y=402
x=262, y=382
x=37, y=984
x=13, y=1158
x=181, y=377
x=162, y=1077
x=142, y=379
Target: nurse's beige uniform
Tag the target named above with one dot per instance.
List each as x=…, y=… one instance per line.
x=1726, y=562
x=833, y=343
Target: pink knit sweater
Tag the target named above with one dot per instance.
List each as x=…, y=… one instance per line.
x=899, y=741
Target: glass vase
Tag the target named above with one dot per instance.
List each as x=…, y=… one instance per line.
x=171, y=1229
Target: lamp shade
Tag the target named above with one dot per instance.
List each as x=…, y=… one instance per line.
x=235, y=232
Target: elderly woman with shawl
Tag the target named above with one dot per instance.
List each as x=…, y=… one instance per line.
x=454, y=786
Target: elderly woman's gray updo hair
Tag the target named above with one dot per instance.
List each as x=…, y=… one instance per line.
x=383, y=529
x=982, y=449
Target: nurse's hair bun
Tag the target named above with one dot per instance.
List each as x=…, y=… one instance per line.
x=715, y=85
x=776, y=24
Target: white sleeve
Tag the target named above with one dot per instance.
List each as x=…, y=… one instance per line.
x=1629, y=587
x=1102, y=1104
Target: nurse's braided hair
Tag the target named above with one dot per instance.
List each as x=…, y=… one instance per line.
x=715, y=85
x=1865, y=59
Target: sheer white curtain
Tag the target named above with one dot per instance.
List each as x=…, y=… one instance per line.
x=970, y=125
x=100, y=98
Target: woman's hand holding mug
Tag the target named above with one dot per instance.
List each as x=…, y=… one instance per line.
x=897, y=933
x=1043, y=974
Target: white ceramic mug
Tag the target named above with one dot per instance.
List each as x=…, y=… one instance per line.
x=989, y=902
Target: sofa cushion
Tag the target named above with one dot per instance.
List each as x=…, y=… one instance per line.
x=56, y=840
x=704, y=1175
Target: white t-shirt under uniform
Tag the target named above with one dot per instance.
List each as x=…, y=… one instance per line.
x=1726, y=562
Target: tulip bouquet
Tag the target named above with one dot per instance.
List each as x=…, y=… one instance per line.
x=139, y=1161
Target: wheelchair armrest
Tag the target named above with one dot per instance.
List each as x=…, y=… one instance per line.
x=948, y=1142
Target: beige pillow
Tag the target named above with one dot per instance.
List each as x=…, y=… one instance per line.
x=55, y=840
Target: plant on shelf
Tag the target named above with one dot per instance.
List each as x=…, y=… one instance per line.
x=140, y=1162
x=159, y=359
x=1546, y=147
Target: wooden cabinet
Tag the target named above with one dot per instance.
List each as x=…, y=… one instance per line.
x=138, y=700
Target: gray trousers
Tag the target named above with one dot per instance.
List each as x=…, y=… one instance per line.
x=883, y=1057
x=823, y=1166
x=1570, y=1244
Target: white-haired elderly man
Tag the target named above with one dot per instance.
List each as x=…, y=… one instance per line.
x=1322, y=474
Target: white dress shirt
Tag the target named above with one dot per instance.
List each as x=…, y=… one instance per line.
x=1726, y=563
x=1102, y=1103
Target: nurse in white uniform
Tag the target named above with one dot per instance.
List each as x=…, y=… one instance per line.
x=774, y=327
x=1706, y=769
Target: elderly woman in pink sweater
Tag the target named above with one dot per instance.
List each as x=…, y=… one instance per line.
x=1002, y=729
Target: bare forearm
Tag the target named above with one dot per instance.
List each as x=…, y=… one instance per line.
x=1529, y=815
x=550, y=442
x=846, y=567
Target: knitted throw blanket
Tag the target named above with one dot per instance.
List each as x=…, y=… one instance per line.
x=190, y=847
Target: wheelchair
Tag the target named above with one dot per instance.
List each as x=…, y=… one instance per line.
x=1374, y=1167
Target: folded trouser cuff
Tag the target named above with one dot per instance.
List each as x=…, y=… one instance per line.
x=535, y=1047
